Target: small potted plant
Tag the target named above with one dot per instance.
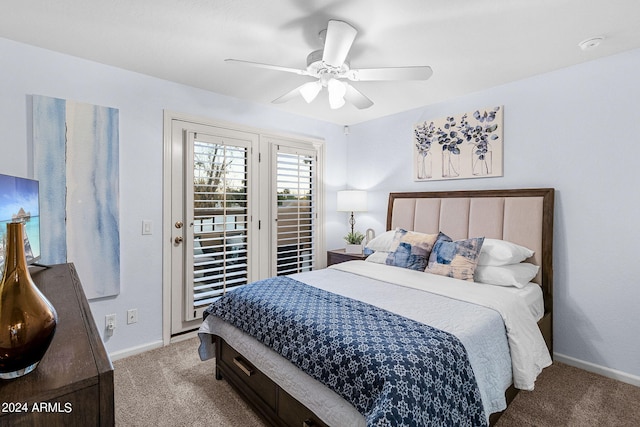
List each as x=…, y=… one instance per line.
x=354, y=242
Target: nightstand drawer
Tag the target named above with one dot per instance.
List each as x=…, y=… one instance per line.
x=337, y=256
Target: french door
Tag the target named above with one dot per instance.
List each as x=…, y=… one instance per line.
x=213, y=243
x=236, y=215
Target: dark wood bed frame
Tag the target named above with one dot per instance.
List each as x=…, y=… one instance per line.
x=278, y=408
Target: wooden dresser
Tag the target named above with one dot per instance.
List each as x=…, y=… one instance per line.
x=73, y=384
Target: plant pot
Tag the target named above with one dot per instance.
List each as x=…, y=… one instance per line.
x=353, y=249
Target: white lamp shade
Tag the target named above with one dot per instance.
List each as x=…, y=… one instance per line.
x=352, y=201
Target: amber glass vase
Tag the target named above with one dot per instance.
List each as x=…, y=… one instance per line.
x=27, y=319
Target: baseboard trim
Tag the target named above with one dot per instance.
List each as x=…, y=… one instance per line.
x=117, y=355
x=597, y=369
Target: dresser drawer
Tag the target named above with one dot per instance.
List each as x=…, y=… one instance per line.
x=258, y=382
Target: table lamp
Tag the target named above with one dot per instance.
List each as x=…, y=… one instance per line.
x=352, y=201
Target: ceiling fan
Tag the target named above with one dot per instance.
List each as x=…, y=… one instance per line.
x=330, y=69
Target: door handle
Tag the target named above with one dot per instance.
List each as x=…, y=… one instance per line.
x=178, y=240
x=179, y=224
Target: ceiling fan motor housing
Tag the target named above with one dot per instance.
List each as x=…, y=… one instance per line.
x=317, y=68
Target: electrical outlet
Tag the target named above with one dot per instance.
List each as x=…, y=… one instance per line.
x=110, y=323
x=132, y=316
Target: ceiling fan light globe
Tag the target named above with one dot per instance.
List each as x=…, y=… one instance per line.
x=310, y=90
x=336, y=102
x=336, y=88
x=337, y=91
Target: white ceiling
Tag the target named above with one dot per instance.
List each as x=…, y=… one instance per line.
x=470, y=44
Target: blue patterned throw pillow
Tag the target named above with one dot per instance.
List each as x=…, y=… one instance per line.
x=411, y=249
x=455, y=259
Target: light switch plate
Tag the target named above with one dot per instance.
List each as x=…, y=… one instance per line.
x=147, y=227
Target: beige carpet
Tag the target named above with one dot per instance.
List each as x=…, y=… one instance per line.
x=170, y=386
x=572, y=397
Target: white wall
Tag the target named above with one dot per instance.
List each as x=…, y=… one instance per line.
x=27, y=70
x=577, y=130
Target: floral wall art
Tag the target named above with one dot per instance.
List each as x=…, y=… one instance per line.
x=467, y=145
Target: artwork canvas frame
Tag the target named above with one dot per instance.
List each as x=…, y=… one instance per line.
x=76, y=160
x=466, y=145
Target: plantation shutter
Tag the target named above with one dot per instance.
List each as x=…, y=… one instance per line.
x=219, y=218
x=295, y=210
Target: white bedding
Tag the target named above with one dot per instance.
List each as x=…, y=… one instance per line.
x=493, y=371
x=531, y=295
x=529, y=353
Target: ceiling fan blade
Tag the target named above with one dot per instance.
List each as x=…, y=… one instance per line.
x=337, y=43
x=355, y=97
x=269, y=66
x=287, y=96
x=391, y=73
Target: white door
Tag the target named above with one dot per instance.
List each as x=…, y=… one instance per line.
x=214, y=235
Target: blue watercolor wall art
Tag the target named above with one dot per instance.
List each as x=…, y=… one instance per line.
x=76, y=160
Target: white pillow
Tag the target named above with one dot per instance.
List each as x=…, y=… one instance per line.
x=379, y=257
x=500, y=252
x=517, y=275
x=383, y=242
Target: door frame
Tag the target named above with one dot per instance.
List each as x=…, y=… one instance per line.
x=167, y=230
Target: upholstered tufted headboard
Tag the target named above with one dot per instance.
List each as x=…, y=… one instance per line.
x=522, y=216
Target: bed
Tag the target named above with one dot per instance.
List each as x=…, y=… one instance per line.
x=505, y=351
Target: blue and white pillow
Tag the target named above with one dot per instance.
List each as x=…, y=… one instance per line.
x=455, y=259
x=411, y=249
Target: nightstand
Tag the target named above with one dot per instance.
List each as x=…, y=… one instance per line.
x=337, y=256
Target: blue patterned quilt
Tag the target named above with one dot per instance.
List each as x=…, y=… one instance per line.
x=393, y=370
